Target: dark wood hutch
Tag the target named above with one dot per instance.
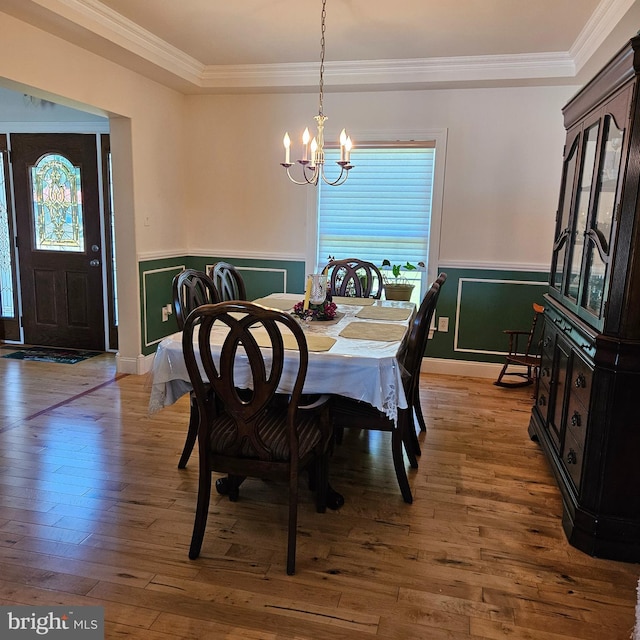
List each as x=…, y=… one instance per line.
x=587, y=411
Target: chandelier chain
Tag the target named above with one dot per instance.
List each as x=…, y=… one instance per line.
x=322, y=48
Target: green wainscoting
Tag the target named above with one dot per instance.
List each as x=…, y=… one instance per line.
x=480, y=305
x=261, y=278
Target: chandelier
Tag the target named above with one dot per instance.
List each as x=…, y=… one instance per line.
x=312, y=160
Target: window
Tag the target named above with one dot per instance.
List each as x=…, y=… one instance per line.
x=383, y=211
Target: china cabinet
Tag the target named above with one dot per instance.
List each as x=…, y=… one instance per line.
x=586, y=416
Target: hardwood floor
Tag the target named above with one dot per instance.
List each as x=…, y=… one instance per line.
x=93, y=510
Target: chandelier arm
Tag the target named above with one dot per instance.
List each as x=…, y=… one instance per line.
x=303, y=183
x=339, y=180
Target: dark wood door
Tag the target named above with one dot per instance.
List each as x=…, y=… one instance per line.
x=59, y=240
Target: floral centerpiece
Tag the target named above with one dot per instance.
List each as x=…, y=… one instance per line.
x=325, y=311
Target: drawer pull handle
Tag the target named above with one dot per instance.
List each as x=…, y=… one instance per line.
x=581, y=381
x=576, y=419
x=572, y=457
x=546, y=372
x=542, y=401
x=547, y=341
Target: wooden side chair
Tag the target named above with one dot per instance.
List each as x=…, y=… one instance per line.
x=191, y=289
x=228, y=282
x=524, y=353
x=353, y=277
x=354, y=413
x=417, y=407
x=253, y=431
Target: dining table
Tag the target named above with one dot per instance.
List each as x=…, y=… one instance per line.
x=353, y=355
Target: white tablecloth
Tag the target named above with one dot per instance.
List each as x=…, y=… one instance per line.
x=365, y=370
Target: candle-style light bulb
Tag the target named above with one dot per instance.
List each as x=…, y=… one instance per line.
x=347, y=148
x=314, y=148
x=343, y=139
x=287, y=146
x=306, y=136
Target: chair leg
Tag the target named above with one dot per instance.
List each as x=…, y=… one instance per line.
x=412, y=446
x=293, y=522
x=202, y=511
x=398, y=463
x=192, y=434
x=498, y=382
x=417, y=407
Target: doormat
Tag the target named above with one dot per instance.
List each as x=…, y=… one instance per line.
x=49, y=354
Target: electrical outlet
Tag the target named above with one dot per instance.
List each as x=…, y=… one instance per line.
x=167, y=310
x=443, y=324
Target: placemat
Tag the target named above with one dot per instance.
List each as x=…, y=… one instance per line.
x=361, y=302
x=276, y=303
x=314, y=343
x=373, y=331
x=384, y=313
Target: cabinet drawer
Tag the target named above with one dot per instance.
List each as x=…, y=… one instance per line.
x=580, y=381
x=577, y=416
x=543, y=399
x=572, y=454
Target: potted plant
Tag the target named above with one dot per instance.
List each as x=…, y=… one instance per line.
x=398, y=287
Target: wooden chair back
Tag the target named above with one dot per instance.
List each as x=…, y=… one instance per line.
x=413, y=353
x=353, y=277
x=228, y=282
x=191, y=289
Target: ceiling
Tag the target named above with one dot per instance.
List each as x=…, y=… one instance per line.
x=274, y=45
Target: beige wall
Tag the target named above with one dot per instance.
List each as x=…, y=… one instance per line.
x=201, y=174
x=502, y=167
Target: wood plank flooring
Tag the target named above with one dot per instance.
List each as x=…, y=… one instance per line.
x=93, y=510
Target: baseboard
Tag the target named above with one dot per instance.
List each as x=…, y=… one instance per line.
x=138, y=366
x=461, y=368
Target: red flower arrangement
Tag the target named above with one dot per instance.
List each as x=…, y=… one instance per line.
x=325, y=311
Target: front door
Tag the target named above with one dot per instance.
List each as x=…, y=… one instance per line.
x=59, y=241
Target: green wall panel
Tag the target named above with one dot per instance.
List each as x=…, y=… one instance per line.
x=480, y=305
x=261, y=278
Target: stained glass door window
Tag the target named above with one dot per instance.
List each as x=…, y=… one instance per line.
x=57, y=205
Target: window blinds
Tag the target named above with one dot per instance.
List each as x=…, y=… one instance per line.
x=382, y=211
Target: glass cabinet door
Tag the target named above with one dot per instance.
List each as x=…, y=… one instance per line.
x=579, y=227
x=564, y=211
x=599, y=234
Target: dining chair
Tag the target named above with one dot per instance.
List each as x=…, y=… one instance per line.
x=353, y=277
x=524, y=353
x=349, y=413
x=254, y=431
x=417, y=407
x=228, y=282
x=190, y=289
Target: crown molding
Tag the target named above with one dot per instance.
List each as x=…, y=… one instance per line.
x=371, y=73
x=95, y=18
x=98, y=19
x=603, y=20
